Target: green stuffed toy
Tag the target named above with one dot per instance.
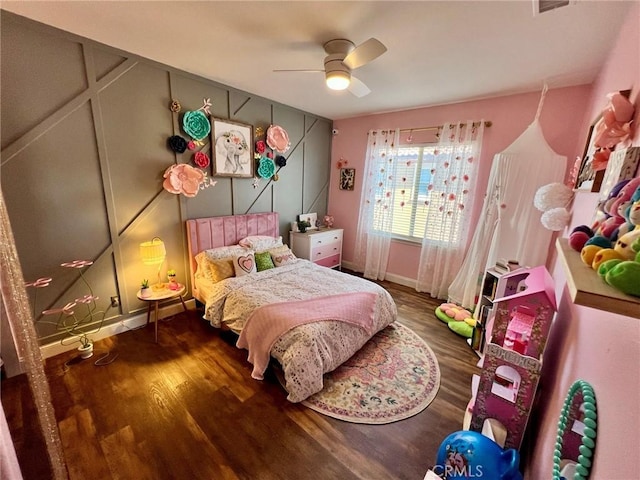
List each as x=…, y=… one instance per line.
x=623, y=274
x=458, y=319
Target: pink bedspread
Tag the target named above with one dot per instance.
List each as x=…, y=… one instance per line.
x=269, y=322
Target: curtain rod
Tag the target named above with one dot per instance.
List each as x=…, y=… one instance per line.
x=487, y=124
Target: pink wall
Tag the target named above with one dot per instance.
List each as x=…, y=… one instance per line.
x=510, y=116
x=596, y=346
x=599, y=347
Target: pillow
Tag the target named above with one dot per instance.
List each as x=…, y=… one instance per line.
x=217, y=253
x=221, y=269
x=280, y=249
x=283, y=257
x=260, y=242
x=214, y=270
x=244, y=264
x=263, y=261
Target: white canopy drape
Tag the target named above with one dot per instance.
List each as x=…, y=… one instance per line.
x=509, y=226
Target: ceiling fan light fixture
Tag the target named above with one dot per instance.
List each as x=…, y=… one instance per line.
x=338, y=80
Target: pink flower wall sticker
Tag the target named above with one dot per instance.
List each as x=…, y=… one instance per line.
x=186, y=180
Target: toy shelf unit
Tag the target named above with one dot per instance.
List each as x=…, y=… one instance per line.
x=495, y=284
x=504, y=391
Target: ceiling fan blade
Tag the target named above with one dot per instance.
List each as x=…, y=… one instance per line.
x=358, y=88
x=301, y=70
x=364, y=53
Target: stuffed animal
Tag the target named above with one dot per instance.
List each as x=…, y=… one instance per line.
x=604, y=224
x=623, y=274
x=458, y=319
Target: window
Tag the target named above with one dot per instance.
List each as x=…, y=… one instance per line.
x=412, y=194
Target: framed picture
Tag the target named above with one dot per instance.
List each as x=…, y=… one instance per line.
x=347, y=178
x=232, y=146
x=310, y=218
x=587, y=177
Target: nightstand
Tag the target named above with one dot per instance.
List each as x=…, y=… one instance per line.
x=158, y=296
x=323, y=247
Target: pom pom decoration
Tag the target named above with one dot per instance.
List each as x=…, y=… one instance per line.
x=278, y=139
x=196, y=124
x=555, y=219
x=177, y=143
x=553, y=195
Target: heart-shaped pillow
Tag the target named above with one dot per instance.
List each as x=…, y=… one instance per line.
x=244, y=264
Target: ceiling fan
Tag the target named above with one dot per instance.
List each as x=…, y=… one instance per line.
x=342, y=57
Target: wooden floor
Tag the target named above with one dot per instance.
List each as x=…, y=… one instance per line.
x=187, y=408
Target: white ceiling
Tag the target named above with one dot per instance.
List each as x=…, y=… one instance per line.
x=438, y=51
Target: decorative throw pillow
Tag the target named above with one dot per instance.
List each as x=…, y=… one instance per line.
x=279, y=249
x=244, y=264
x=260, y=242
x=217, y=253
x=221, y=269
x=263, y=261
x=283, y=258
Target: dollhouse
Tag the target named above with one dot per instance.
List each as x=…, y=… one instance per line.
x=505, y=389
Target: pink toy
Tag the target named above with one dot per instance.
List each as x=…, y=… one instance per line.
x=624, y=195
x=513, y=356
x=456, y=312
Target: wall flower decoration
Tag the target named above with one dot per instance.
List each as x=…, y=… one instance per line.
x=175, y=106
x=177, y=143
x=278, y=139
x=261, y=146
x=266, y=168
x=196, y=124
x=201, y=159
x=615, y=126
x=184, y=179
x=281, y=161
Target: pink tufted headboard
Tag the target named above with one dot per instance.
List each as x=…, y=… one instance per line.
x=211, y=232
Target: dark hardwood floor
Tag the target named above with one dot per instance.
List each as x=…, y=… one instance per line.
x=187, y=408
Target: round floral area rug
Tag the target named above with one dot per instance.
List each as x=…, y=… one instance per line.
x=393, y=377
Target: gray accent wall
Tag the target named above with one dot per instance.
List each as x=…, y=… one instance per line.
x=83, y=131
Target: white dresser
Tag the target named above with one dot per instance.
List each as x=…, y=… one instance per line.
x=323, y=247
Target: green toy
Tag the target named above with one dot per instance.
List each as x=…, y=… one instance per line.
x=458, y=319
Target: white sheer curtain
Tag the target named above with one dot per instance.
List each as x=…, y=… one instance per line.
x=373, y=235
x=452, y=191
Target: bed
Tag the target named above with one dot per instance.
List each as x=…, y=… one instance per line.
x=309, y=318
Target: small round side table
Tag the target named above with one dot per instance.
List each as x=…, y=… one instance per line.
x=158, y=296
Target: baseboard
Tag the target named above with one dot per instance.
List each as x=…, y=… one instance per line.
x=391, y=277
x=55, y=348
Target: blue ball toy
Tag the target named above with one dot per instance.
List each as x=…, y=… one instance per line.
x=467, y=454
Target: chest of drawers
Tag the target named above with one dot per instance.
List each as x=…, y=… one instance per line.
x=323, y=247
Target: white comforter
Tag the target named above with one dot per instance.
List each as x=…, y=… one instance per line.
x=307, y=351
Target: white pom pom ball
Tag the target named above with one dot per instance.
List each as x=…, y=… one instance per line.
x=553, y=195
x=555, y=219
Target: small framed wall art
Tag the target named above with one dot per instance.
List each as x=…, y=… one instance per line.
x=232, y=148
x=347, y=178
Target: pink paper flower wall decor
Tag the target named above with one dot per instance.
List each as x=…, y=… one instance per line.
x=185, y=179
x=278, y=139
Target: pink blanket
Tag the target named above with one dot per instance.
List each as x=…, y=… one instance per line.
x=269, y=322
